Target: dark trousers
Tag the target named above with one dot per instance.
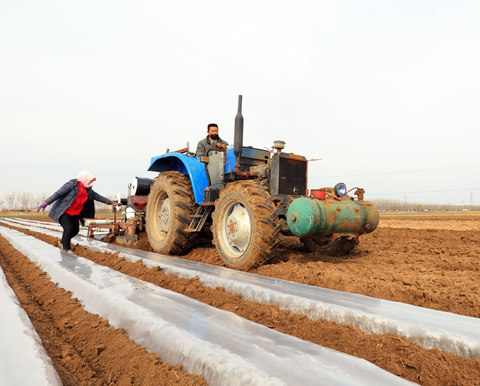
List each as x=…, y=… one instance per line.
x=70, y=227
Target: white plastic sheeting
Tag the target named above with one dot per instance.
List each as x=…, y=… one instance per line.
x=23, y=360
x=446, y=331
x=44, y=225
x=225, y=348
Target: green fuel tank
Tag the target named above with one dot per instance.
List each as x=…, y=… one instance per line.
x=310, y=217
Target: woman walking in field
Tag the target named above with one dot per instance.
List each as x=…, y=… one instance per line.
x=74, y=201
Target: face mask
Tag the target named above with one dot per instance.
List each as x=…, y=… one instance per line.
x=214, y=137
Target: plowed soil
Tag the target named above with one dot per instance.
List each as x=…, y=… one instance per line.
x=430, y=261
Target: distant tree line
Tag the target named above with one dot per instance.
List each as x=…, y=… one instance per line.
x=28, y=202
x=393, y=205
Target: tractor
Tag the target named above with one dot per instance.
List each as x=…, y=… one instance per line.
x=247, y=198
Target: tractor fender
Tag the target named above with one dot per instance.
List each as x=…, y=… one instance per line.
x=186, y=164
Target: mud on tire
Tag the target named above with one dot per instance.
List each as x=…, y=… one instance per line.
x=320, y=246
x=169, y=209
x=347, y=247
x=337, y=247
x=245, y=225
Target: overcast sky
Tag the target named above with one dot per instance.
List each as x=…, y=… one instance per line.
x=386, y=93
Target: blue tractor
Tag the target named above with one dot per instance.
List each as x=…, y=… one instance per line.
x=247, y=198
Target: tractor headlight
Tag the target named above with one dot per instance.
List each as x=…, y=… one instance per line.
x=340, y=189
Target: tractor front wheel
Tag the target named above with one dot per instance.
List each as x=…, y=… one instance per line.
x=169, y=209
x=245, y=225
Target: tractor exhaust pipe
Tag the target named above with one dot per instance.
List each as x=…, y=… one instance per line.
x=238, y=137
x=238, y=142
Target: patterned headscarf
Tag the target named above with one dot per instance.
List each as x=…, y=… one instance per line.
x=86, y=178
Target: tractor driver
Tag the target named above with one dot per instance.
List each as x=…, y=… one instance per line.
x=204, y=144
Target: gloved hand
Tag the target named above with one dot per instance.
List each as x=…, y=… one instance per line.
x=114, y=203
x=42, y=207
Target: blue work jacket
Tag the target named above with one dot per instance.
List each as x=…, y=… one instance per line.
x=65, y=196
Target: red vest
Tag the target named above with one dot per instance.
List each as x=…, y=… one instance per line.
x=77, y=205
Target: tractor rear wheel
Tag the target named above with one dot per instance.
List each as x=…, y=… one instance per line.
x=170, y=206
x=245, y=225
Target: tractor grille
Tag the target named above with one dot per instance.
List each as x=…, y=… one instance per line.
x=289, y=175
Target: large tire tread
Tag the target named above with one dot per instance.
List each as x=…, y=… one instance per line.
x=178, y=187
x=263, y=245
